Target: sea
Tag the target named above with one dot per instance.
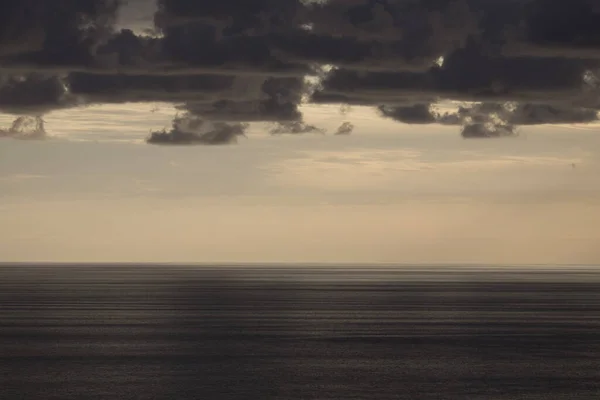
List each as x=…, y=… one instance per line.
x=183, y=332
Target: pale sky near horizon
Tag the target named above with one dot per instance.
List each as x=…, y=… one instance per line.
x=388, y=193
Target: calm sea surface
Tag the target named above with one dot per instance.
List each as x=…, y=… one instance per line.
x=189, y=332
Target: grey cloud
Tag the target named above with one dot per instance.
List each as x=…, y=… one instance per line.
x=533, y=114
x=190, y=130
x=118, y=88
x=238, y=15
x=345, y=128
x=272, y=99
x=25, y=127
x=563, y=29
x=294, y=127
x=58, y=33
x=465, y=76
x=486, y=130
x=233, y=61
x=384, y=36
x=519, y=114
x=548, y=85
x=491, y=119
x=34, y=94
x=194, y=48
x=415, y=114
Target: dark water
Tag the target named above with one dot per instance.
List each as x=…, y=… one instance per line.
x=135, y=332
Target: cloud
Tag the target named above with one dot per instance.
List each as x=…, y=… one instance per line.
x=532, y=114
x=294, y=127
x=486, y=130
x=415, y=114
x=121, y=88
x=34, y=94
x=483, y=120
x=189, y=130
x=25, y=127
x=345, y=128
x=38, y=34
x=234, y=61
x=271, y=99
x=493, y=66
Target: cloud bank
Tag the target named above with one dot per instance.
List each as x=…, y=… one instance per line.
x=510, y=62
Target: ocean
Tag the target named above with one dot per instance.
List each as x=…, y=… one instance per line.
x=298, y=332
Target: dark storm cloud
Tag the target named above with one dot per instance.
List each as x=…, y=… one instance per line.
x=522, y=62
x=558, y=29
x=533, y=114
x=229, y=35
x=34, y=94
x=118, y=88
x=37, y=37
x=529, y=52
x=466, y=75
x=382, y=35
x=197, y=46
x=65, y=33
x=193, y=48
x=272, y=99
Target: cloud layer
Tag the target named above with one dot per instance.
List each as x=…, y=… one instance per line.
x=514, y=62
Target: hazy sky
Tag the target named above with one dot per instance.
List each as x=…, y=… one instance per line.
x=390, y=192
x=404, y=187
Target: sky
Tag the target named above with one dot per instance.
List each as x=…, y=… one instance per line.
x=389, y=193
x=407, y=132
